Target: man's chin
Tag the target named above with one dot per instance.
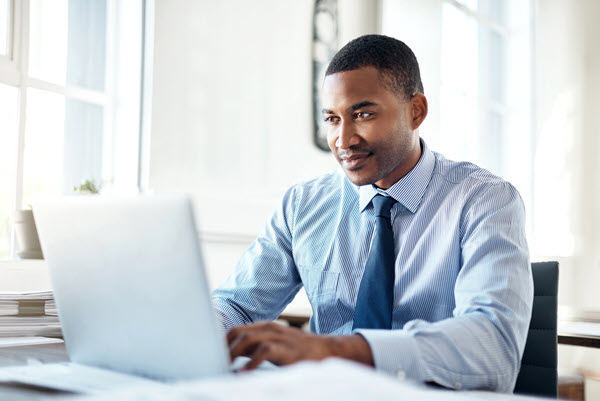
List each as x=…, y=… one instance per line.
x=358, y=178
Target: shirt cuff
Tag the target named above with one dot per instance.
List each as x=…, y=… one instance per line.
x=397, y=353
x=228, y=316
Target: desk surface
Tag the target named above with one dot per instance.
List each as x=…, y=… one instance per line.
x=579, y=340
x=579, y=332
x=11, y=356
x=331, y=376
x=47, y=353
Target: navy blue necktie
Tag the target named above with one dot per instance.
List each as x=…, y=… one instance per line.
x=376, y=293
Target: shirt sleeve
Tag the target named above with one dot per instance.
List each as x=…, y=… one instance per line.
x=482, y=344
x=265, y=279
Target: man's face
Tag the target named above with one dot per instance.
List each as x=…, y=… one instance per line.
x=370, y=130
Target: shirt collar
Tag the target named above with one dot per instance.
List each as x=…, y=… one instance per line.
x=409, y=189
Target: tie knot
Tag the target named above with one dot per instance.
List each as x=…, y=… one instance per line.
x=383, y=206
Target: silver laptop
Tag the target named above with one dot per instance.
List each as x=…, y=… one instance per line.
x=131, y=292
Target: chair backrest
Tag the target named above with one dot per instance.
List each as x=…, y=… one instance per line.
x=538, y=374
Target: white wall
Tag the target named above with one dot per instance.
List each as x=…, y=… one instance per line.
x=231, y=97
x=590, y=176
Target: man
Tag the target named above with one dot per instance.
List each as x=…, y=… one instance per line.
x=414, y=264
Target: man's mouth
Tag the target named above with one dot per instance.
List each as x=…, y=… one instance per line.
x=354, y=161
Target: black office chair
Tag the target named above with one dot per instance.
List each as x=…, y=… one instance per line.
x=538, y=374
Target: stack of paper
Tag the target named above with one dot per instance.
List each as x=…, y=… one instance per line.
x=27, y=305
x=28, y=314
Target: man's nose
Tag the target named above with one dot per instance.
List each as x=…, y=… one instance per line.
x=347, y=136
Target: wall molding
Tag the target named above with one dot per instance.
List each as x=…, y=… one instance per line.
x=223, y=237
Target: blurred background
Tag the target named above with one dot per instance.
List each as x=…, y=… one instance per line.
x=214, y=98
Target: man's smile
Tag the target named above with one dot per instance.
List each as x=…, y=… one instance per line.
x=354, y=161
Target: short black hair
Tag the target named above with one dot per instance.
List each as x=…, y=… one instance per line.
x=394, y=60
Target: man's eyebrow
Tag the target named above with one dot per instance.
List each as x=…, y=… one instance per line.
x=362, y=104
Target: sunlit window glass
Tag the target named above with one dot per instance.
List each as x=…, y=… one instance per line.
x=48, y=22
x=86, y=44
x=44, y=145
x=4, y=26
x=460, y=84
x=495, y=10
x=83, y=144
x=472, y=4
x=473, y=84
x=68, y=42
x=73, y=104
x=8, y=162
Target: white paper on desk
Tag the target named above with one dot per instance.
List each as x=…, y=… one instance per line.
x=333, y=379
x=581, y=328
x=21, y=341
x=45, y=295
x=74, y=377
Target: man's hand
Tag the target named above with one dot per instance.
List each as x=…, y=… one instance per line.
x=286, y=345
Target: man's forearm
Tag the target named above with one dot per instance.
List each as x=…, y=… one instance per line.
x=353, y=347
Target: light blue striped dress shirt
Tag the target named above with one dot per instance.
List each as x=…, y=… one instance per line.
x=463, y=287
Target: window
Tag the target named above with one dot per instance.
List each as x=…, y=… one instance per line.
x=476, y=65
x=485, y=101
x=5, y=28
x=69, y=100
x=9, y=101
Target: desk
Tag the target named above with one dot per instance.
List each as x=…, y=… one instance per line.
x=302, y=387
x=580, y=332
x=294, y=320
x=21, y=355
x=579, y=340
x=331, y=379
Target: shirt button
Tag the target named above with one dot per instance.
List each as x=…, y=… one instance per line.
x=458, y=385
x=400, y=374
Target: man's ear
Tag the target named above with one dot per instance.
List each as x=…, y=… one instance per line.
x=419, y=109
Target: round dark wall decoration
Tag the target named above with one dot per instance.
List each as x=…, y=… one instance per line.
x=324, y=47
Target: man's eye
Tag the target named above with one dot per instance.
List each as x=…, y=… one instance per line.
x=330, y=119
x=362, y=114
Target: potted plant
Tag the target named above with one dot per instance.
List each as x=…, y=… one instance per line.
x=26, y=232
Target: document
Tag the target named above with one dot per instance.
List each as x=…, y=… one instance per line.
x=21, y=341
x=333, y=379
x=73, y=377
x=581, y=328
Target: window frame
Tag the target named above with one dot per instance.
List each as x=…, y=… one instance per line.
x=7, y=58
x=14, y=71
x=9, y=68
